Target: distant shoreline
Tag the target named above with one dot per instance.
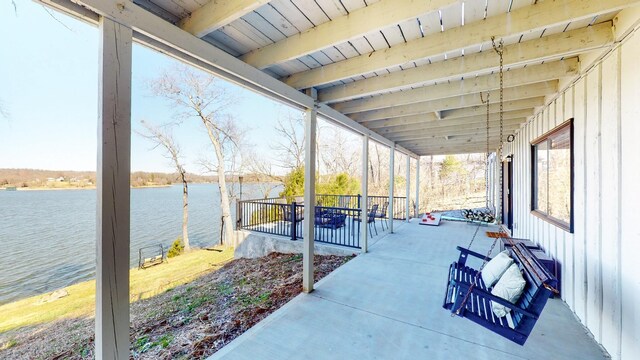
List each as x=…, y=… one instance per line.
x=40, y=188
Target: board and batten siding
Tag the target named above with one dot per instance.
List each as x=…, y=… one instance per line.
x=599, y=260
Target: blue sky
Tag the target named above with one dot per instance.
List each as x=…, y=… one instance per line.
x=48, y=87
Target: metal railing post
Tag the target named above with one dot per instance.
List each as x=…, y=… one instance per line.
x=293, y=221
x=238, y=215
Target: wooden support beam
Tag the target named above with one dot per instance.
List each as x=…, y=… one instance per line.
x=520, y=21
x=458, y=101
x=364, y=192
x=417, y=187
x=494, y=108
x=478, y=127
x=472, y=129
x=472, y=106
x=113, y=191
x=625, y=21
x=216, y=14
x=413, y=121
x=547, y=48
x=449, y=134
x=454, y=142
x=451, y=150
x=468, y=85
x=392, y=155
x=310, y=130
x=360, y=22
x=408, y=189
x=546, y=73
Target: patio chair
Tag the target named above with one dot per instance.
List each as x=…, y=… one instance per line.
x=330, y=219
x=287, y=214
x=371, y=219
x=382, y=214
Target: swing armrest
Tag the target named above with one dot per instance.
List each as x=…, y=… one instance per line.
x=489, y=296
x=464, y=252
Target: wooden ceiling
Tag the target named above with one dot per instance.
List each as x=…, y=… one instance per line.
x=413, y=71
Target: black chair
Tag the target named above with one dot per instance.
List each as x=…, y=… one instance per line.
x=288, y=215
x=382, y=214
x=371, y=218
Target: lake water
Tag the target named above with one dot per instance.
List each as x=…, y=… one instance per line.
x=48, y=238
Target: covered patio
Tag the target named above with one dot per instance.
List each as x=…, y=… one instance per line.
x=414, y=76
x=387, y=304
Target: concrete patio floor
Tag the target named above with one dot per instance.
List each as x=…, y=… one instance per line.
x=387, y=304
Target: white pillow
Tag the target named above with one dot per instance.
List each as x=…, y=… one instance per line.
x=495, y=268
x=509, y=287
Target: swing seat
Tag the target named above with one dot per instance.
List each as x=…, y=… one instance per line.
x=518, y=323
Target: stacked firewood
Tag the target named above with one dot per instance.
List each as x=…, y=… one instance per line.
x=483, y=215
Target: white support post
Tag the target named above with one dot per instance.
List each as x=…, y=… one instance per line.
x=364, y=201
x=408, y=189
x=417, y=187
x=310, y=128
x=392, y=153
x=113, y=192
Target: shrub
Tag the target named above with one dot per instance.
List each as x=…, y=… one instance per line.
x=339, y=184
x=293, y=184
x=177, y=248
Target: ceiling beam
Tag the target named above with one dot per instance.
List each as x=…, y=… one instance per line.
x=442, y=105
x=479, y=133
x=452, y=130
x=523, y=20
x=547, y=48
x=457, y=101
x=549, y=71
x=452, y=143
x=423, y=120
x=452, y=150
x=360, y=22
x=467, y=123
x=494, y=108
x=216, y=14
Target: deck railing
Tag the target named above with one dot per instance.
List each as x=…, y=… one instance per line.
x=337, y=219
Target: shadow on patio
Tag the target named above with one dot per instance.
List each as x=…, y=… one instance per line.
x=387, y=304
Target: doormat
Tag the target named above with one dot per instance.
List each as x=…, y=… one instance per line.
x=493, y=234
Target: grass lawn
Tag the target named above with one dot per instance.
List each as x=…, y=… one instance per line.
x=143, y=284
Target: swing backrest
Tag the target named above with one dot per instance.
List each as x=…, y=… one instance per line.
x=535, y=293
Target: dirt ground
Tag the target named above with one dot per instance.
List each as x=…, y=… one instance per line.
x=192, y=321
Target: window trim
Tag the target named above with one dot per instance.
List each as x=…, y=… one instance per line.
x=541, y=214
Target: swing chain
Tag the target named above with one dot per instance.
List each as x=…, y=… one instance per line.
x=474, y=236
x=486, y=163
x=475, y=279
x=499, y=49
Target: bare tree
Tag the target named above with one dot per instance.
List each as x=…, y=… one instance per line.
x=262, y=170
x=200, y=96
x=164, y=138
x=340, y=152
x=3, y=110
x=290, y=150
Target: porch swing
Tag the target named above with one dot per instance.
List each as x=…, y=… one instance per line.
x=469, y=297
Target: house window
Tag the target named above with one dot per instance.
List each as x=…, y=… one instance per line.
x=552, y=171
